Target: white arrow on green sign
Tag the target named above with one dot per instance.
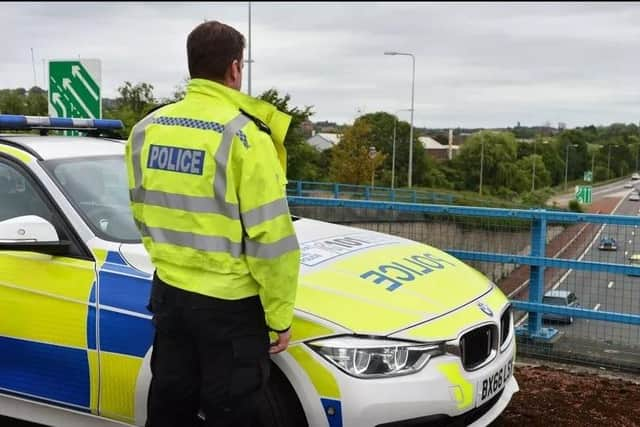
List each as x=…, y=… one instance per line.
x=583, y=194
x=74, y=88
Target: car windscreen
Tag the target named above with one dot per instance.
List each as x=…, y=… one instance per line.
x=554, y=300
x=97, y=187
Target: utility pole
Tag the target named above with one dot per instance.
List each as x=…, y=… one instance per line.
x=33, y=64
x=250, y=61
x=566, y=164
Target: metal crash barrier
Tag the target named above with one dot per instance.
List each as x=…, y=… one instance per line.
x=576, y=296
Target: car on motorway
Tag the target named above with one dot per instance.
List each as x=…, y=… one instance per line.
x=635, y=176
x=628, y=185
x=562, y=298
x=387, y=331
x=608, y=244
x=634, y=197
x=634, y=259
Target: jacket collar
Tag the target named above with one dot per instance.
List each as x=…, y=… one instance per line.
x=277, y=121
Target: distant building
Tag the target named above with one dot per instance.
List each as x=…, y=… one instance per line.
x=307, y=128
x=325, y=127
x=437, y=150
x=322, y=141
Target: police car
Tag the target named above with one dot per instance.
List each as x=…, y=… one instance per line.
x=387, y=331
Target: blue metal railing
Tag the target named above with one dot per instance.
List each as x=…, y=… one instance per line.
x=537, y=259
x=364, y=192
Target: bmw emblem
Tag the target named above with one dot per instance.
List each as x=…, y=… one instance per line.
x=485, y=309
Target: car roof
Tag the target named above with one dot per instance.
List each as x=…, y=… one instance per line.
x=557, y=293
x=49, y=147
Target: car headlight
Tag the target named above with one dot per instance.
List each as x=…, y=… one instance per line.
x=375, y=358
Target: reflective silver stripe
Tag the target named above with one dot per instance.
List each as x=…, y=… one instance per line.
x=137, y=141
x=265, y=212
x=222, y=156
x=271, y=250
x=191, y=240
x=185, y=203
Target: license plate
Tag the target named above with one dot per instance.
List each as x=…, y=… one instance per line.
x=494, y=382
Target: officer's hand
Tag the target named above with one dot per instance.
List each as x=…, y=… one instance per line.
x=281, y=343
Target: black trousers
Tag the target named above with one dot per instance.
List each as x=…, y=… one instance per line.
x=210, y=356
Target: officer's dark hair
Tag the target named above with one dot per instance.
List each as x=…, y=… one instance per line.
x=211, y=47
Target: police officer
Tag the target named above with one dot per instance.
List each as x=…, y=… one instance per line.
x=207, y=188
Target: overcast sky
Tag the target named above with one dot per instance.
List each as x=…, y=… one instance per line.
x=477, y=65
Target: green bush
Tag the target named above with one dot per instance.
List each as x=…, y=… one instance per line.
x=575, y=206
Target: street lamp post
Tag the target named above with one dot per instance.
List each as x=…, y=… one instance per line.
x=413, y=81
x=566, y=164
x=372, y=155
x=393, y=156
x=481, y=163
x=609, y=161
x=249, y=61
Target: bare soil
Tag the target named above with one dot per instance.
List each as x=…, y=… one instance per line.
x=572, y=397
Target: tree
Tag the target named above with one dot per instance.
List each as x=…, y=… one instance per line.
x=20, y=101
x=12, y=102
x=542, y=175
x=136, y=98
x=179, y=91
x=381, y=137
x=303, y=161
x=132, y=104
x=351, y=162
x=500, y=170
x=36, y=102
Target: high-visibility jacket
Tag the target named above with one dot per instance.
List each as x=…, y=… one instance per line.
x=207, y=186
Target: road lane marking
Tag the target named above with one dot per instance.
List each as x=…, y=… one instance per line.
x=581, y=257
x=588, y=249
x=626, y=253
x=596, y=307
x=610, y=284
x=630, y=241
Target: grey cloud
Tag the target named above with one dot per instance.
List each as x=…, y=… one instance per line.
x=488, y=64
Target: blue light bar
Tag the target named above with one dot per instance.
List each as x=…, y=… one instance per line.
x=13, y=122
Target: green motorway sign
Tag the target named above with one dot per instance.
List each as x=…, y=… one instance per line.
x=583, y=194
x=74, y=88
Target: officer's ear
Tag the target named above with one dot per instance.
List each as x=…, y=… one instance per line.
x=234, y=74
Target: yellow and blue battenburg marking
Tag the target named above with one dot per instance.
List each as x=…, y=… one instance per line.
x=43, y=340
x=50, y=345
x=124, y=294
x=323, y=381
x=125, y=334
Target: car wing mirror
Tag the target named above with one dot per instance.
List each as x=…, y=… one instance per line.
x=31, y=233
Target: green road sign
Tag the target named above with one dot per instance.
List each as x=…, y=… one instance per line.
x=588, y=176
x=74, y=88
x=583, y=194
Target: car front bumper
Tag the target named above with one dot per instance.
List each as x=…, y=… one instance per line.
x=442, y=392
